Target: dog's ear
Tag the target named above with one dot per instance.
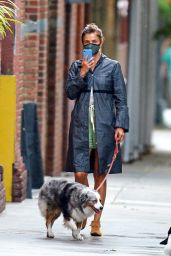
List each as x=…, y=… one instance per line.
x=84, y=198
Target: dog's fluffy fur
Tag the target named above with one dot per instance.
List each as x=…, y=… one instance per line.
x=75, y=201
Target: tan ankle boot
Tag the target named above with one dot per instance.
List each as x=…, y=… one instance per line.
x=95, y=228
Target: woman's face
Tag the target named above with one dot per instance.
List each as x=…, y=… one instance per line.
x=91, y=38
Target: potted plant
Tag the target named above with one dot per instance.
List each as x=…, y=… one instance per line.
x=7, y=15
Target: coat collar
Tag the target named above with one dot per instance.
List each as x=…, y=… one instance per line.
x=102, y=57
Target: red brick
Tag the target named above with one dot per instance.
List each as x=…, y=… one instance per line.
x=39, y=63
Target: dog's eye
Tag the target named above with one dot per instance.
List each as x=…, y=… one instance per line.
x=94, y=201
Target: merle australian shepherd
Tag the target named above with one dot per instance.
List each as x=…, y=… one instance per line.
x=75, y=201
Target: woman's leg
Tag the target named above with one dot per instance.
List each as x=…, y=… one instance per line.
x=98, y=178
x=81, y=177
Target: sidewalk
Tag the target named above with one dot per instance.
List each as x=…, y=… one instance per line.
x=136, y=218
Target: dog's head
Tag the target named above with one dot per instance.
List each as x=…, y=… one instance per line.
x=90, y=200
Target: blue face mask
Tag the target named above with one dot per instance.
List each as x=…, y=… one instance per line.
x=94, y=47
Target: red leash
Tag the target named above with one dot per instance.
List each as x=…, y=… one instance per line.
x=110, y=166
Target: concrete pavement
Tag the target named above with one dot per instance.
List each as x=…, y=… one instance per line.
x=136, y=217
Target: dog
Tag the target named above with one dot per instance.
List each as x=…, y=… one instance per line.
x=75, y=201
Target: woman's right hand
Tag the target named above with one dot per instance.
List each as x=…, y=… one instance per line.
x=86, y=65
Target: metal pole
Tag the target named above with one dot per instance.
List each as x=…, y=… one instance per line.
x=131, y=150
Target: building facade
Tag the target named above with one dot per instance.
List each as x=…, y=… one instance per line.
x=41, y=50
x=39, y=54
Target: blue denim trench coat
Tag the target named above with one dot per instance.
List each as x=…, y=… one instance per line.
x=111, y=112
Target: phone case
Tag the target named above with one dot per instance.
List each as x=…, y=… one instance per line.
x=87, y=54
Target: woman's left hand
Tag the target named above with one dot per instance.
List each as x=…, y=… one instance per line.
x=119, y=134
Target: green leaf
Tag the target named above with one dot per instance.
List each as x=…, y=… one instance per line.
x=165, y=17
x=7, y=16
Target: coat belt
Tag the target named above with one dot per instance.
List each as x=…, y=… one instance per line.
x=98, y=91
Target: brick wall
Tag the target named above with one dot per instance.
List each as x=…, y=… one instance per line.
x=7, y=54
x=25, y=65
x=67, y=62
x=70, y=56
x=44, y=47
x=18, y=69
x=31, y=51
x=70, y=21
x=30, y=62
x=59, y=85
x=43, y=16
x=76, y=18
x=79, y=27
x=51, y=87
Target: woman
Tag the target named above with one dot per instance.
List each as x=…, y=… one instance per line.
x=99, y=118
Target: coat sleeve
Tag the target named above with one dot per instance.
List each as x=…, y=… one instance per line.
x=75, y=83
x=120, y=97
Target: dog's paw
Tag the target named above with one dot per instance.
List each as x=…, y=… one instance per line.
x=77, y=236
x=80, y=237
x=50, y=235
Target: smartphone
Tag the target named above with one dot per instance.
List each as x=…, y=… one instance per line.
x=87, y=54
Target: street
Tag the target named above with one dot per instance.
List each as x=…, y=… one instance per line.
x=136, y=217
x=76, y=77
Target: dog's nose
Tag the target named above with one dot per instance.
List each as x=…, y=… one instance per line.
x=101, y=208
